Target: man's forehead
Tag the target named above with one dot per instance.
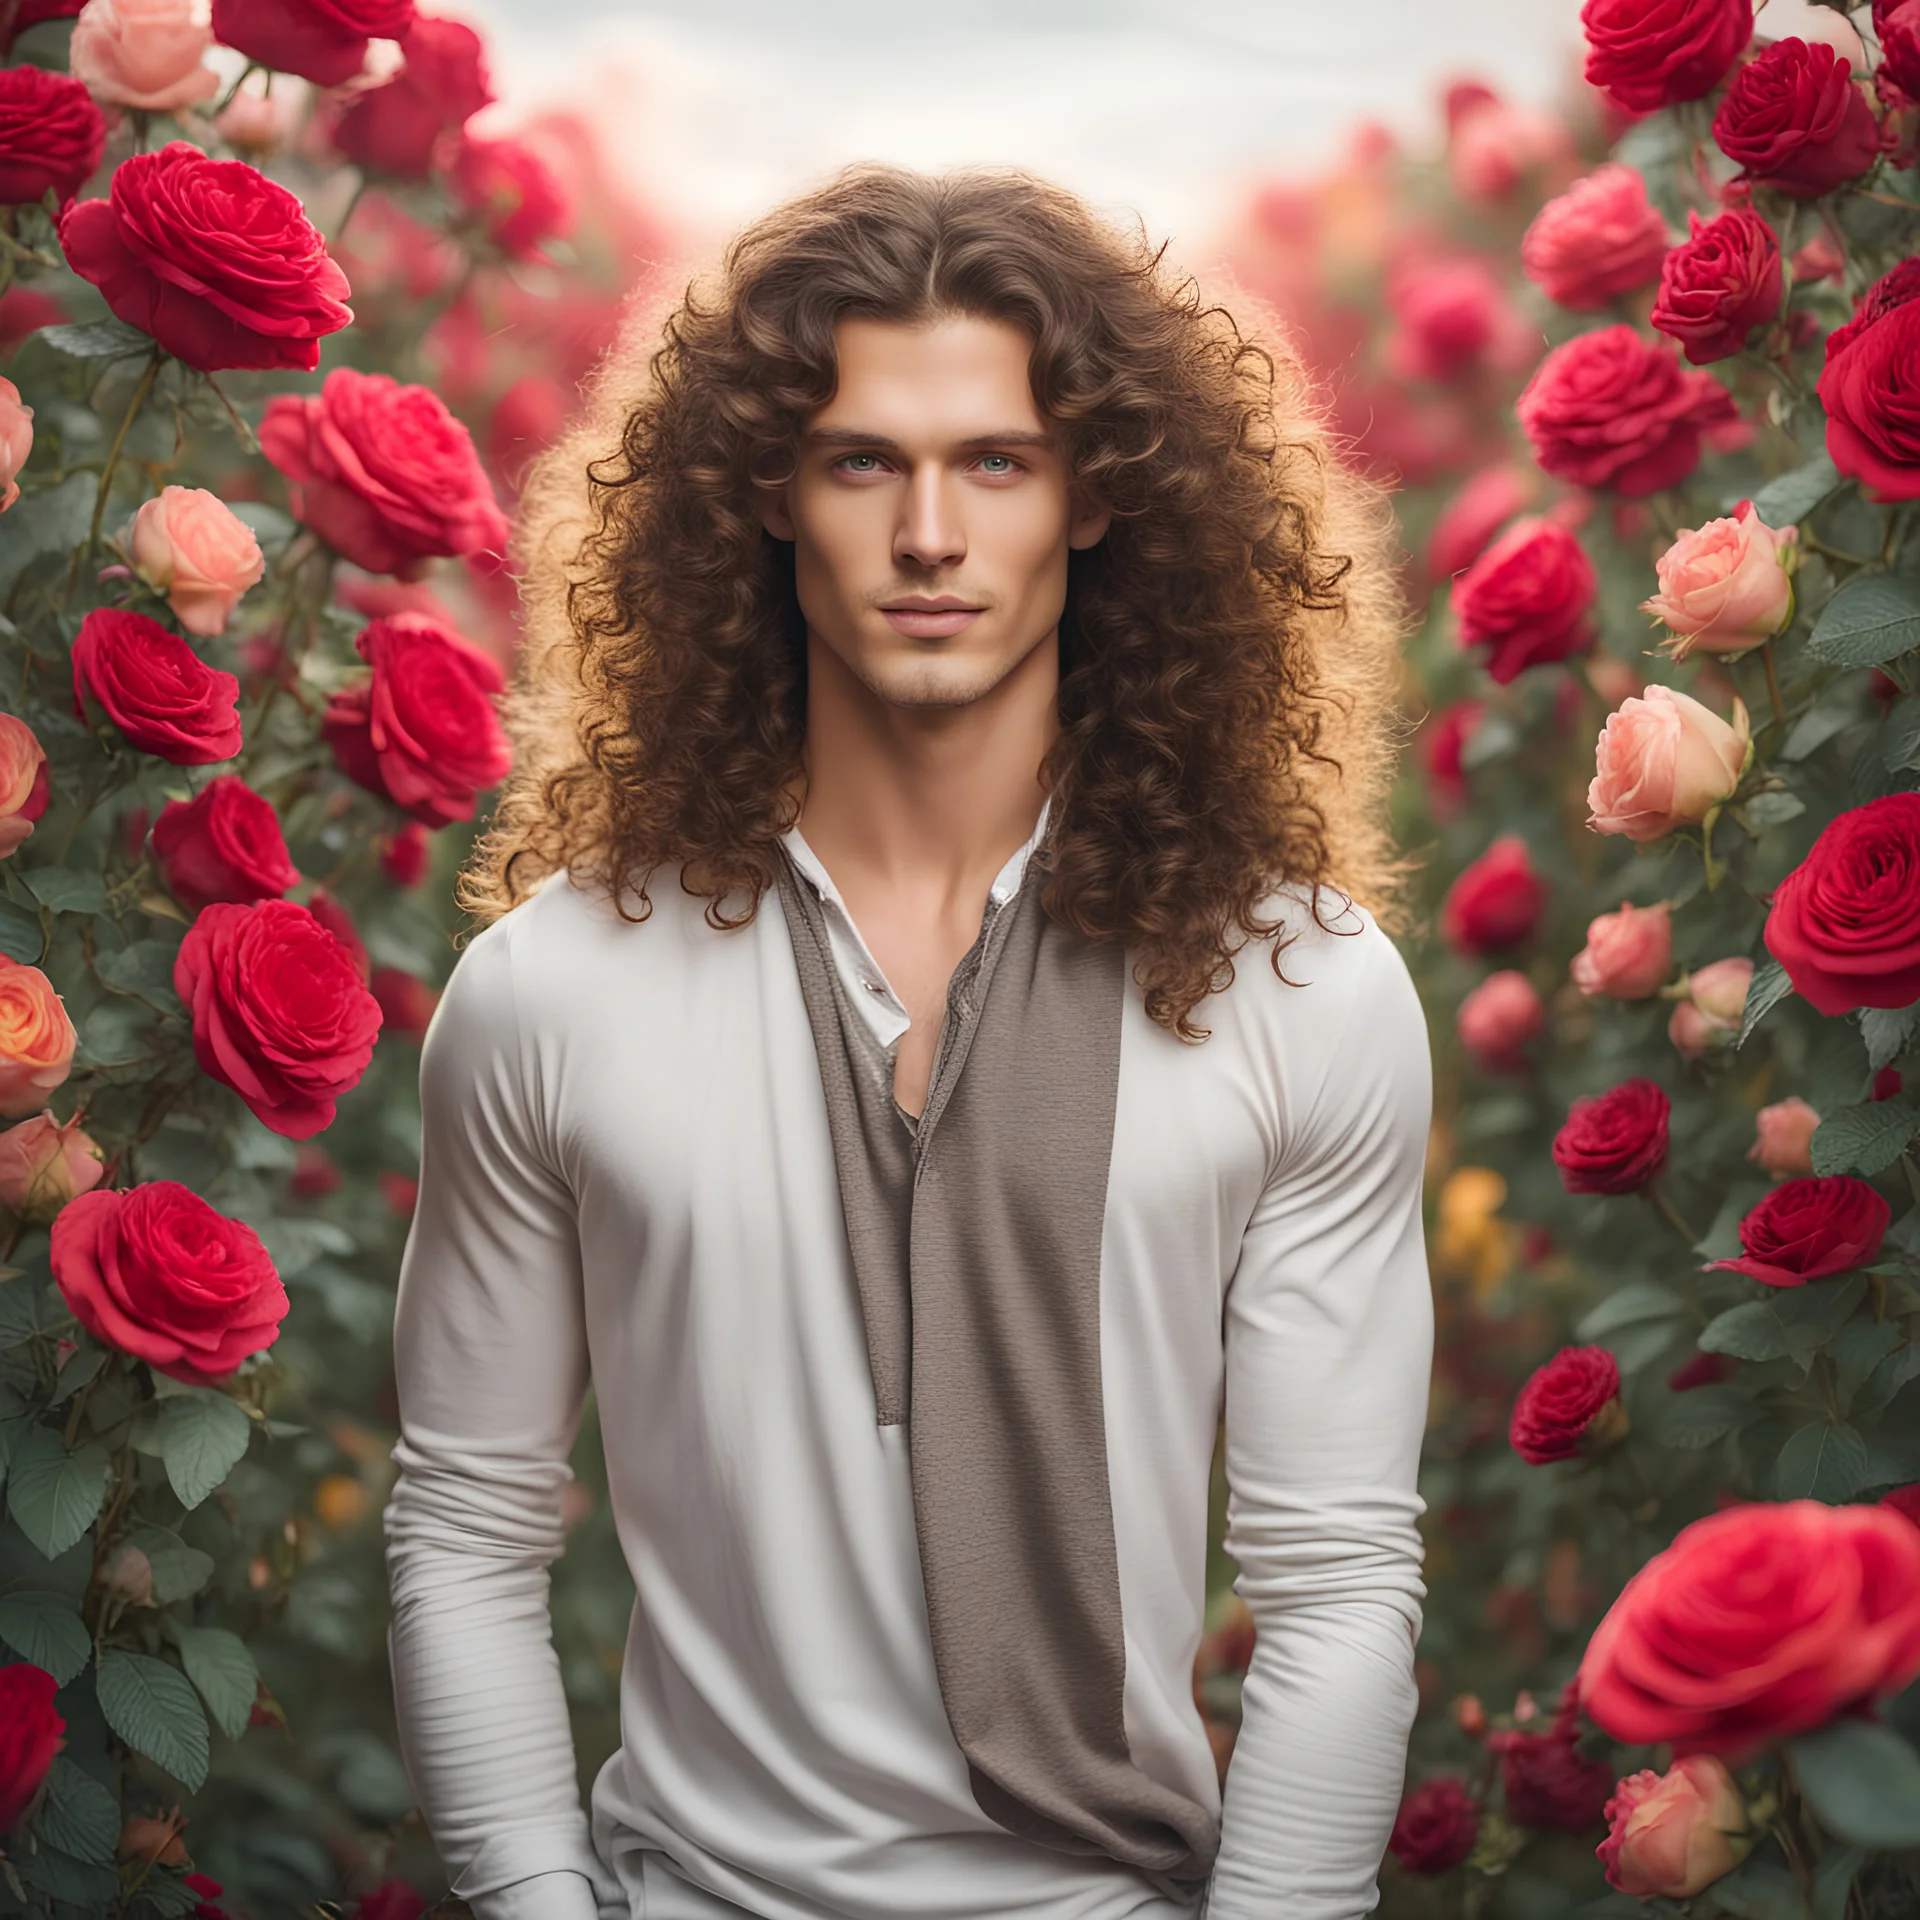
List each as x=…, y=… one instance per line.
x=959, y=376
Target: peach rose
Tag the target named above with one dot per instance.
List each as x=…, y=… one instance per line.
x=258, y=122
x=16, y=440
x=1783, y=1138
x=44, y=1163
x=143, y=54
x=1710, y=1014
x=1627, y=953
x=199, y=552
x=1664, y=761
x=1724, y=587
x=36, y=1037
x=1497, y=1019
x=24, y=786
x=1677, y=1834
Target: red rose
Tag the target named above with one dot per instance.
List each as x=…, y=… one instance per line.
x=1904, y=1500
x=1845, y=923
x=339, y=922
x=324, y=41
x=1437, y=1825
x=1495, y=901
x=1451, y=314
x=1794, y=120
x=1528, y=598
x=162, y=1275
x=209, y=1889
x=30, y=13
x=1613, y=1142
x=1805, y=1229
x=1558, y=1406
x=1650, y=53
x=393, y=1899
x=51, y=135
x=1468, y=521
x=1547, y=1784
x=223, y=844
x=1609, y=409
x=315, y=1174
x=1445, y=746
x=514, y=192
x=406, y=1001
x=1703, y=1370
x=422, y=730
x=280, y=1013
x=1719, y=284
x=162, y=696
x=1759, y=1622
x=31, y=1733
x=394, y=128
x=1871, y=391
x=212, y=258
x=1600, y=238
x=383, y=473
x=404, y=855
x=1896, y=24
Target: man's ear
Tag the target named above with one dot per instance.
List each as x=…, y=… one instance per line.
x=1089, y=524
x=770, y=502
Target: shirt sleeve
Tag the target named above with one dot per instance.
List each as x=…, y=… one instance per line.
x=490, y=1363
x=1329, y=1343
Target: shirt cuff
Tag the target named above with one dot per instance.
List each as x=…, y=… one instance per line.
x=546, y=1896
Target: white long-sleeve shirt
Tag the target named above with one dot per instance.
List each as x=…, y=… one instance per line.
x=627, y=1176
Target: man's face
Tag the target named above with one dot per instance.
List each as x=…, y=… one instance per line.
x=930, y=476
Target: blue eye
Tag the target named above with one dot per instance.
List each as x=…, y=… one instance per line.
x=1009, y=466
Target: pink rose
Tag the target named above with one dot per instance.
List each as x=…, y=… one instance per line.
x=1492, y=146
x=1499, y=1017
x=1724, y=586
x=193, y=547
x=16, y=440
x=1710, y=1014
x=1627, y=953
x=143, y=54
x=1664, y=761
x=1452, y=314
x=1600, y=238
x=24, y=786
x=1677, y=1835
x=1783, y=1138
x=44, y=1162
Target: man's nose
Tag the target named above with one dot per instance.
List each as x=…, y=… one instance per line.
x=930, y=532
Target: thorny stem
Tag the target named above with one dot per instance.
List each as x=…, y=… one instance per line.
x=1773, y=680
x=1669, y=1212
x=227, y=99
x=240, y=427
x=138, y=401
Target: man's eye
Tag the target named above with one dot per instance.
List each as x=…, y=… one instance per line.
x=1007, y=463
x=860, y=456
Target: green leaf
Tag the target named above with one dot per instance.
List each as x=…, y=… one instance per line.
x=54, y=520
x=165, y=1895
x=1814, y=729
x=1768, y=987
x=151, y=1707
x=1760, y=1888
x=272, y=526
x=52, y=1493
x=1701, y=1415
x=1900, y=734
x=1789, y=1321
x=1865, y=1139
x=78, y=1883
x=1886, y=1380
x=1857, y=1349
x=97, y=340
x=79, y=1815
x=41, y=1627
x=1888, y=1031
x=115, y=1034
x=372, y=1781
x=1627, y=1306
x=144, y=969
x=1833, y=1880
x=218, y=1663
x=67, y=889
x=1796, y=493
x=1871, y=620
x=21, y=936
x=201, y=1433
x=1862, y=1782
x=1766, y=810
x=1821, y=1461
x=179, y=1571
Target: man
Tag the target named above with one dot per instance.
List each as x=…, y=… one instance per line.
x=949, y=649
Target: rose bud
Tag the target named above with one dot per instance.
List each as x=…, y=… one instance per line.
x=1872, y=435
x=131, y=1578
x=1783, y=1137
x=223, y=844
x=1886, y=1084
x=1720, y=283
x=404, y=855
x=44, y=1162
x=1703, y=1370
x=1674, y=1836
x=1528, y=598
x=144, y=54
x=1651, y=53
x=315, y=1173
x=1664, y=761
x=1470, y=1715
x=1437, y=1824
x=197, y=551
x=1628, y=953
x=1806, y=1229
x=1724, y=587
x=31, y=1734
x=36, y=1037
x=1613, y=1142
x=1569, y=1404
x=1794, y=120
x=1599, y=239
x=259, y=123
x=24, y=784
x=1495, y=901
x=1499, y=1017
x=16, y=440
x=1710, y=1015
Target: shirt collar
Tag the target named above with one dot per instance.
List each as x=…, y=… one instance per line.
x=1004, y=882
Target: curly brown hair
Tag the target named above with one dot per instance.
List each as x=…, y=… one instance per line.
x=1229, y=650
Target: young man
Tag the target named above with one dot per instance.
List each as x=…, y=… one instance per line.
x=936, y=1064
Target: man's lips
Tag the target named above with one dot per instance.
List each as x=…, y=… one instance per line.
x=929, y=619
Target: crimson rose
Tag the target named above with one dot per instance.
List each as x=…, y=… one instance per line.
x=51, y=135
x=1805, y=1229
x=1845, y=923
x=383, y=473
x=162, y=696
x=1528, y=598
x=1554, y=1412
x=1650, y=53
x=216, y=261
x=1613, y=1142
x=1759, y=1622
x=1436, y=1826
x=1896, y=25
x=223, y=844
x=422, y=730
x=1548, y=1786
x=1871, y=390
x=1609, y=409
x=30, y=1735
x=160, y=1274
x=1719, y=284
x=1495, y=901
x=324, y=41
x=280, y=1013
x=513, y=190
x=1793, y=119
x=394, y=128
x=30, y=13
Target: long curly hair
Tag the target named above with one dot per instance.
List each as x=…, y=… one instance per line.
x=1229, y=650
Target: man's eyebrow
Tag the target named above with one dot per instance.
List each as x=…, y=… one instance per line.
x=859, y=437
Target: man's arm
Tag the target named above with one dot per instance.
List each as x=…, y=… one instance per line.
x=1329, y=1341
x=490, y=1360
